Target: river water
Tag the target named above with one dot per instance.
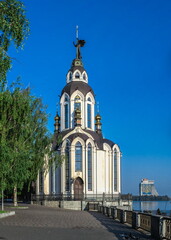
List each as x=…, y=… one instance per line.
x=164, y=206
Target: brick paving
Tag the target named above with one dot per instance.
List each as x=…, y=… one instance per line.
x=39, y=222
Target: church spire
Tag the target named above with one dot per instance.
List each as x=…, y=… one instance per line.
x=78, y=45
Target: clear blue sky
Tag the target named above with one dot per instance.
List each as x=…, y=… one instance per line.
x=128, y=60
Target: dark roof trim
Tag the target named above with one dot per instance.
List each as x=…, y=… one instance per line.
x=77, y=85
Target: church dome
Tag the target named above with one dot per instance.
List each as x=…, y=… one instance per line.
x=77, y=85
x=77, y=72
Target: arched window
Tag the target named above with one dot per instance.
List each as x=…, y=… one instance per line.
x=66, y=115
x=70, y=76
x=115, y=170
x=89, y=115
x=41, y=181
x=77, y=75
x=89, y=99
x=78, y=157
x=89, y=167
x=66, y=111
x=77, y=103
x=67, y=173
x=84, y=76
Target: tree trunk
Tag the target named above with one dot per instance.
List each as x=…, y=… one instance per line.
x=2, y=200
x=15, y=197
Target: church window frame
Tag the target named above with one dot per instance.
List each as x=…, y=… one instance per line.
x=66, y=112
x=77, y=75
x=84, y=77
x=67, y=166
x=70, y=76
x=77, y=102
x=89, y=166
x=78, y=157
x=89, y=112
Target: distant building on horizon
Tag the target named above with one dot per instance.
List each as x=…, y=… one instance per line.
x=147, y=188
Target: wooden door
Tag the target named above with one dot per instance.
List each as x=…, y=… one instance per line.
x=78, y=189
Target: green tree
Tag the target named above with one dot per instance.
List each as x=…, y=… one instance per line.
x=14, y=28
x=25, y=142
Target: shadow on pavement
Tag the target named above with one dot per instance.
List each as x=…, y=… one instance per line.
x=121, y=231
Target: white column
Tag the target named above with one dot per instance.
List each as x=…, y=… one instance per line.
x=119, y=171
x=94, y=170
x=37, y=185
x=53, y=178
x=72, y=162
x=84, y=168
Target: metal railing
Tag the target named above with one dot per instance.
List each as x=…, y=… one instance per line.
x=158, y=226
x=85, y=197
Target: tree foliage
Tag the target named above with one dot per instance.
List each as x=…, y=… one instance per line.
x=14, y=28
x=24, y=138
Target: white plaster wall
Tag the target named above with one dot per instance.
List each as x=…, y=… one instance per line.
x=100, y=171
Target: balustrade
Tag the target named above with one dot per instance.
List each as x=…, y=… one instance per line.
x=167, y=228
x=128, y=217
x=145, y=222
x=158, y=226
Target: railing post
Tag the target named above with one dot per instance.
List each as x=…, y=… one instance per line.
x=156, y=228
x=166, y=228
x=103, y=209
x=109, y=211
x=115, y=213
x=112, y=212
x=122, y=216
x=135, y=220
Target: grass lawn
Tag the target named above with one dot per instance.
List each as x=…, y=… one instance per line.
x=3, y=211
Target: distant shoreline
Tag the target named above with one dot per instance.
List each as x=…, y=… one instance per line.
x=151, y=198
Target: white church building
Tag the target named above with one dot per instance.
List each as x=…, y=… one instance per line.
x=92, y=164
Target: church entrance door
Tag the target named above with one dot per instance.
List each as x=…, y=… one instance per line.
x=78, y=189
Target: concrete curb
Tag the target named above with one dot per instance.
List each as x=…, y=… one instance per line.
x=7, y=214
x=18, y=208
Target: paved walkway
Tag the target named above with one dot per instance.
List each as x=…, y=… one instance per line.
x=43, y=223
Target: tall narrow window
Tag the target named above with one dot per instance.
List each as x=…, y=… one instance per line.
x=115, y=171
x=67, y=160
x=84, y=76
x=77, y=103
x=89, y=115
x=41, y=181
x=78, y=157
x=66, y=116
x=89, y=167
x=70, y=76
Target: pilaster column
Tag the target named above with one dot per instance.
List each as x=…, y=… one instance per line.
x=53, y=178
x=37, y=185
